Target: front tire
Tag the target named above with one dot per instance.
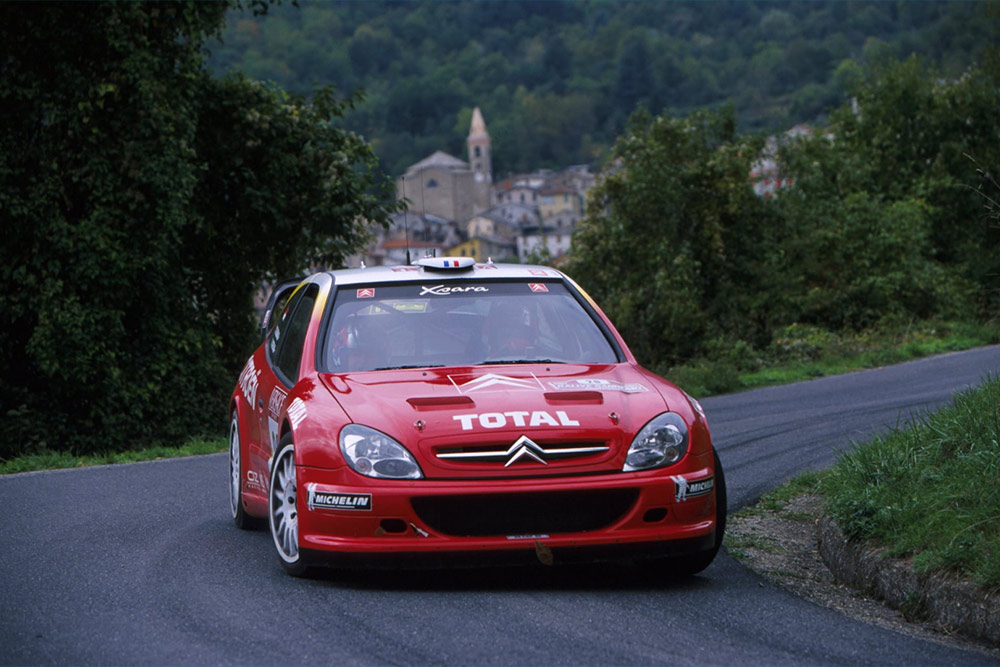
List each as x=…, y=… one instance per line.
x=282, y=509
x=685, y=566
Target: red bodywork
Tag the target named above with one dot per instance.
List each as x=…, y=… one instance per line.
x=526, y=504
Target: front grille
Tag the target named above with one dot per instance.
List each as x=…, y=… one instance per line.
x=506, y=453
x=524, y=513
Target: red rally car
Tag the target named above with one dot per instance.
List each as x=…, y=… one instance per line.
x=464, y=413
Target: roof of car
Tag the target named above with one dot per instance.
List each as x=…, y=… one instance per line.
x=479, y=271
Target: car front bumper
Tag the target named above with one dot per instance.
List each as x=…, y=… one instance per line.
x=347, y=520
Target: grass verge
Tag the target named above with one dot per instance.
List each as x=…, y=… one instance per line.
x=930, y=491
x=49, y=460
x=802, y=352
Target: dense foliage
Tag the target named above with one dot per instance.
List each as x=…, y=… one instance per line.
x=885, y=222
x=677, y=245
x=556, y=81
x=142, y=202
x=885, y=211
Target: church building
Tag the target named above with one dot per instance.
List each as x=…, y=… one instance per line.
x=447, y=187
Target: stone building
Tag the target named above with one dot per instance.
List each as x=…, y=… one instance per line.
x=489, y=235
x=559, y=197
x=456, y=209
x=445, y=186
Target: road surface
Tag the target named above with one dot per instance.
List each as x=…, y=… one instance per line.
x=140, y=564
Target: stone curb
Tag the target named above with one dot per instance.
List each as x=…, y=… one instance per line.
x=957, y=606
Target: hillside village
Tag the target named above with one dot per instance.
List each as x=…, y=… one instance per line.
x=457, y=209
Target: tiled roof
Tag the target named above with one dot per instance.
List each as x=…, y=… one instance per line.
x=439, y=159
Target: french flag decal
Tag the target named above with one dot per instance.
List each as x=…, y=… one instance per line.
x=446, y=263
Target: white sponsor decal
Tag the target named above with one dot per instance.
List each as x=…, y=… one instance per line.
x=527, y=537
x=277, y=400
x=686, y=489
x=331, y=500
x=599, y=385
x=442, y=290
x=494, y=382
x=520, y=418
x=297, y=412
x=274, y=406
x=248, y=381
x=256, y=481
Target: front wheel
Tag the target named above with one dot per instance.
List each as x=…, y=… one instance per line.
x=282, y=509
x=683, y=566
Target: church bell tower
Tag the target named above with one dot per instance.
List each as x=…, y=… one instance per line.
x=480, y=159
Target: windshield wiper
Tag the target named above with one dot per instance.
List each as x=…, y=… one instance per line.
x=398, y=368
x=521, y=361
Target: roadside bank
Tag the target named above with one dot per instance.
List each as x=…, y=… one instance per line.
x=781, y=543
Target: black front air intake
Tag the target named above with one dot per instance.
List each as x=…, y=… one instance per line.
x=524, y=513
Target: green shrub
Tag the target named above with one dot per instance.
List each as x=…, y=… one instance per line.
x=706, y=378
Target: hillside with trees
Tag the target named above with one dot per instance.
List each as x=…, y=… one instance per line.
x=557, y=81
x=145, y=196
x=891, y=224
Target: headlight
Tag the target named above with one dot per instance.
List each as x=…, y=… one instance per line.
x=375, y=454
x=661, y=442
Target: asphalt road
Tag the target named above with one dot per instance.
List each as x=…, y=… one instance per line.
x=141, y=565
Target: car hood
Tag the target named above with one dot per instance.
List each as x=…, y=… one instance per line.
x=473, y=422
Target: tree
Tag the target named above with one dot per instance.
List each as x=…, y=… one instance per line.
x=903, y=146
x=634, y=82
x=142, y=202
x=371, y=50
x=675, y=244
x=558, y=62
x=281, y=188
x=861, y=260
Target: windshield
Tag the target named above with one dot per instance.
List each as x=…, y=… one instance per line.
x=451, y=323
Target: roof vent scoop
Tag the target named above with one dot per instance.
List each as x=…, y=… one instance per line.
x=446, y=263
